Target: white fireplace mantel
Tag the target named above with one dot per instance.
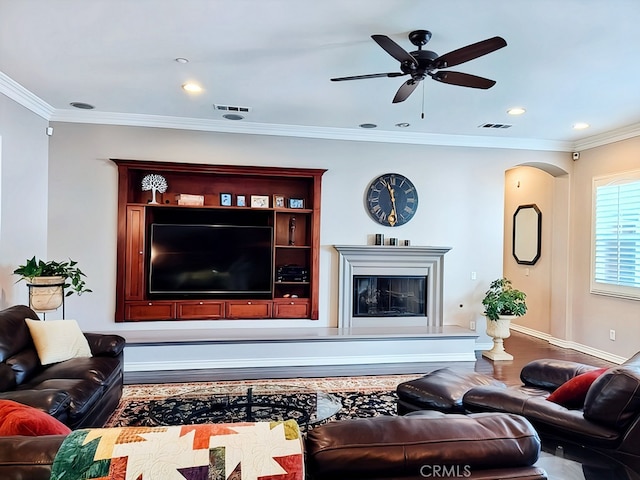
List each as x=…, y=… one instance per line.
x=386, y=261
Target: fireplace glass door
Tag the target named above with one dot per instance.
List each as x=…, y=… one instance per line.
x=389, y=296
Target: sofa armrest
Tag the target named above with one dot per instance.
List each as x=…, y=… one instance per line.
x=105, y=345
x=28, y=457
x=549, y=373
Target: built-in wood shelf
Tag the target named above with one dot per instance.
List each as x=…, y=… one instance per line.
x=296, y=236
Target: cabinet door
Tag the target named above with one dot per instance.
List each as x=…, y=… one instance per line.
x=150, y=310
x=134, y=254
x=294, y=308
x=249, y=309
x=204, y=310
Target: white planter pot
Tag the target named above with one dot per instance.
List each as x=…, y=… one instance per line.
x=46, y=293
x=499, y=330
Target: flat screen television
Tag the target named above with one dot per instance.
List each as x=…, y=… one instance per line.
x=194, y=260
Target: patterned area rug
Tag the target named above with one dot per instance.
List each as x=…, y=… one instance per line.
x=209, y=402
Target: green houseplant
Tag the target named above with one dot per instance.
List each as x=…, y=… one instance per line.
x=502, y=299
x=68, y=271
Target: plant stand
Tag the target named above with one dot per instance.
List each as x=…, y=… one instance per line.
x=498, y=330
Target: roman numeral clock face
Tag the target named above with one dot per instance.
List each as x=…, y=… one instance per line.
x=392, y=200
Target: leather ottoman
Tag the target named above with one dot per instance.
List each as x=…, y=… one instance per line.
x=425, y=444
x=440, y=390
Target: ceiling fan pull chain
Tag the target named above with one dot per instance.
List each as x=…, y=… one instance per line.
x=422, y=116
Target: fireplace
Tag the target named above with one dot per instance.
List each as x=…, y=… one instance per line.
x=389, y=295
x=390, y=286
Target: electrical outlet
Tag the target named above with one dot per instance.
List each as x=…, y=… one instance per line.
x=472, y=325
x=612, y=334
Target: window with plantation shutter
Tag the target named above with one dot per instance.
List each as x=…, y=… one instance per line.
x=616, y=236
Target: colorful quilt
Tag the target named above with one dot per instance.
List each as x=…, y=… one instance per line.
x=227, y=451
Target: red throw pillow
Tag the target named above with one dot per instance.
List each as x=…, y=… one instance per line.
x=572, y=393
x=19, y=419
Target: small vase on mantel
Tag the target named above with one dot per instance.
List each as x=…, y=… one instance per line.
x=499, y=330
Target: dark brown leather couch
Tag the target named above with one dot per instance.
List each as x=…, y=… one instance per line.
x=80, y=392
x=609, y=420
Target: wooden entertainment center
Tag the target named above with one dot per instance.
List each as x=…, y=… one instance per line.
x=295, y=246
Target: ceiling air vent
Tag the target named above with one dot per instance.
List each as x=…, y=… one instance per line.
x=495, y=125
x=231, y=108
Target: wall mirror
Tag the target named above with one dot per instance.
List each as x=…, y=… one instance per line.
x=527, y=232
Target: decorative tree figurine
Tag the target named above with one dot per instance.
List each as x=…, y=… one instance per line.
x=155, y=183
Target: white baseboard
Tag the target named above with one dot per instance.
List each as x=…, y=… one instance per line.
x=569, y=344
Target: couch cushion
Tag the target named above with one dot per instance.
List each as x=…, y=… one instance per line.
x=25, y=364
x=58, y=340
x=14, y=334
x=83, y=394
x=7, y=378
x=440, y=390
x=614, y=398
x=19, y=419
x=572, y=393
x=549, y=373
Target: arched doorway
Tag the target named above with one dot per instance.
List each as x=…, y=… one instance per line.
x=546, y=282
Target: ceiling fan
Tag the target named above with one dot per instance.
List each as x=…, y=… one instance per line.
x=422, y=63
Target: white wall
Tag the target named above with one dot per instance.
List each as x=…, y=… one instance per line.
x=23, y=194
x=461, y=205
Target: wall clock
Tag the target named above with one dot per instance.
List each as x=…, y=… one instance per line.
x=392, y=199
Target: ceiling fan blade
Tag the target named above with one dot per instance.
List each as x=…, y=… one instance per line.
x=371, y=75
x=463, y=79
x=393, y=49
x=475, y=50
x=405, y=90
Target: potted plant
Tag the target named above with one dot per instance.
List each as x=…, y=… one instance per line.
x=502, y=303
x=48, y=280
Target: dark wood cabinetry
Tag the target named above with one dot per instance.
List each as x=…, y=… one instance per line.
x=295, y=246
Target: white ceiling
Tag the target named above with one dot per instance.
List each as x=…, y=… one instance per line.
x=566, y=61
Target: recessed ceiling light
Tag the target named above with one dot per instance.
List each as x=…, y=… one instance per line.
x=580, y=126
x=516, y=111
x=182, y=60
x=403, y=125
x=82, y=105
x=192, y=87
x=368, y=125
x=232, y=116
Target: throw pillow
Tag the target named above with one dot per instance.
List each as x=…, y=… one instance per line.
x=58, y=340
x=19, y=419
x=572, y=393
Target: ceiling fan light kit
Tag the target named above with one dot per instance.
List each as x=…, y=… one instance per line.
x=421, y=64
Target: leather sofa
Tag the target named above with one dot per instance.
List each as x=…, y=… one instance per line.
x=79, y=392
x=608, y=419
x=425, y=444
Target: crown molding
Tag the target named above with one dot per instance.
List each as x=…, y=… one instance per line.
x=617, y=135
x=348, y=134
x=24, y=97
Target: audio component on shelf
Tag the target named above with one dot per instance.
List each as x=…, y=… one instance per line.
x=292, y=273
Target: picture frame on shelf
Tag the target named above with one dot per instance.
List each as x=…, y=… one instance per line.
x=225, y=199
x=259, y=201
x=279, y=201
x=296, y=203
x=241, y=201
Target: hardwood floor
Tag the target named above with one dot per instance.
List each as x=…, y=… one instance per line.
x=524, y=349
